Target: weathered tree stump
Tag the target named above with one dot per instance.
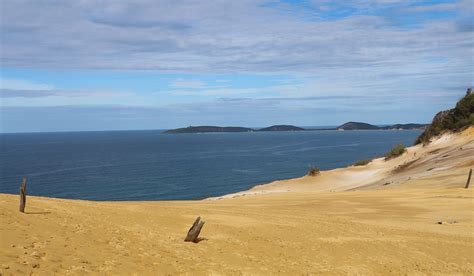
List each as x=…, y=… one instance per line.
x=468, y=179
x=23, y=195
x=194, y=231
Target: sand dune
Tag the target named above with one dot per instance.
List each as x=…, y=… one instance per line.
x=345, y=221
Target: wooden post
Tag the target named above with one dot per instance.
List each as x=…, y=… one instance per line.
x=23, y=195
x=194, y=231
x=468, y=179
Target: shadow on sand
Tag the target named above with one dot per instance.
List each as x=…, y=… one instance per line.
x=198, y=240
x=37, y=213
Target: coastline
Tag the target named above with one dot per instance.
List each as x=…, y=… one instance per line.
x=419, y=223
x=415, y=164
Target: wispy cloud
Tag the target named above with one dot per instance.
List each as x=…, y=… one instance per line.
x=19, y=88
x=462, y=6
x=429, y=8
x=17, y=93
x=19, y=84
x=181, y=83
x=196, y=36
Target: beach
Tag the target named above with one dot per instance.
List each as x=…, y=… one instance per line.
x=264, y=137
x=408, y=215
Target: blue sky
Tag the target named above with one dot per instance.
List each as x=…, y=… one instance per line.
x=106, y=65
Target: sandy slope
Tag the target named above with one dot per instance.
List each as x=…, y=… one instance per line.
x=375, y=229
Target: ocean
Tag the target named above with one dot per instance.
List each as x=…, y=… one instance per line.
x=148, y=165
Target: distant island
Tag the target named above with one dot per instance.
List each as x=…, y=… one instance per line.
x=207, y=129
x=365, y=126
x=357, y=126
x=282, y=128
x=346, y=126
x=406, y=126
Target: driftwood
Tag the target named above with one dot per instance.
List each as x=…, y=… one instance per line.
x=468, y=179
x=23, y=195
x=194, y=231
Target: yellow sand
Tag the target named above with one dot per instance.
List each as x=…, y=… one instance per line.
x=365, y=228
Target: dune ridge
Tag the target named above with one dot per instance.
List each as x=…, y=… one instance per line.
x=345, y=221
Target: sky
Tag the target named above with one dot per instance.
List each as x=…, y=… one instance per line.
x=121, y=65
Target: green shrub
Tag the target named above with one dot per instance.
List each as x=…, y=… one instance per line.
x=362, y=162
x=395, y=152
x=313, y=171
x=455, y=119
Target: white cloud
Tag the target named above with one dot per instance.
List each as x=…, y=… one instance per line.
x=218, y=36
x=18, y=84
x=181, y=83
x=462, y=6
x=20, y=88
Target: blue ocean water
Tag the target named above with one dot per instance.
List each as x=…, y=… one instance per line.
x=148, y=165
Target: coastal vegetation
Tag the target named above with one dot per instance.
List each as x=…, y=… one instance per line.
x=362, y=162
x=314, y=171
x=455, y=119
x=395, y=152
x=365, y=126
x=281, y=128
x=405, y=126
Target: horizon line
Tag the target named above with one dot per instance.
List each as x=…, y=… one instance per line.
x=164, y=129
